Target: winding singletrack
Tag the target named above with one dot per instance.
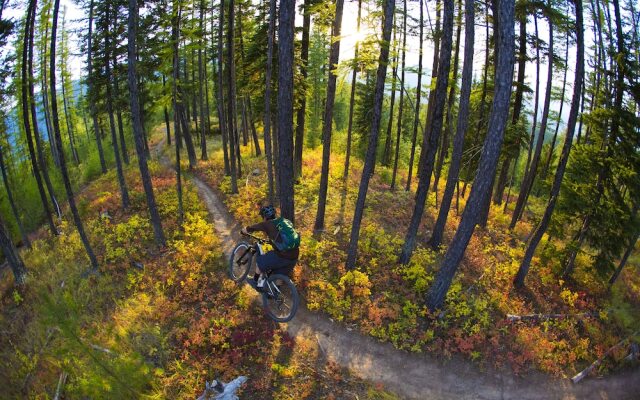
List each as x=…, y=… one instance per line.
x=411, y=375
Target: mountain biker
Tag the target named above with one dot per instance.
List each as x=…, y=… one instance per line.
x=284, y=256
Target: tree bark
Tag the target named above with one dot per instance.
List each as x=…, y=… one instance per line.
x=118, y=106
x=204, y=117
x=124, y=194
x=389, y=7
x=267, y=100
x=67, y=116
x=434, y=71
x=13, y=257
x=352, y=97
x=623, y=261
x=220, y=90
x=231, y=112
x=527, y=182
x=547, y=164
x=461, y=127
x=56, y=131
x=302, y=111
x=450, y=99
x=29, y=22
x=327, y=125
x=177, y=106
x=36, y=131
x=386, y=154
x=45, y=91
x=252, y=125
x=90, y=80
x=12, y=203
x=539, y=231
x=402, y=71
x=137, y=125
x=285, y=107
x=490, y=153
x=429, y=147
x=517, y=107
x=167, y=124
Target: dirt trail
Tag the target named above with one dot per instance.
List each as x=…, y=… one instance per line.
x=419, y=376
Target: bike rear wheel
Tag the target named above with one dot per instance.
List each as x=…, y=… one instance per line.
x=280, y=298
x=240, y=261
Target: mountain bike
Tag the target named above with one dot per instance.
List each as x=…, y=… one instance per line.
x=280, y=297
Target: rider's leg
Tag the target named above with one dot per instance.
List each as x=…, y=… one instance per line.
x=272, y=261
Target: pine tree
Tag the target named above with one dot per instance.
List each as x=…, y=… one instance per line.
x=504, y=18
x=389, y=7
x=56, y=132
x=137, y=125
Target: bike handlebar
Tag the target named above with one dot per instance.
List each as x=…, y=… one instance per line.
x=257, y=239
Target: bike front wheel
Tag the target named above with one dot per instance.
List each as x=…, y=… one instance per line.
x=280, y=298
x=240, y=262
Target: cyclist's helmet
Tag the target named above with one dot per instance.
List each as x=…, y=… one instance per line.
x=268, y=212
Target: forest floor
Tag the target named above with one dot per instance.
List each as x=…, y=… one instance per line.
x=411, y=375
x=153, y=322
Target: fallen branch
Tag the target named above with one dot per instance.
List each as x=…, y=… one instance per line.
x=577, y=378
x=61, y=382
x=546, y=317
x=102, y=349
x=222, y=391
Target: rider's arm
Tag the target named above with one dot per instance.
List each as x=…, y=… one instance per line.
x=257, y=227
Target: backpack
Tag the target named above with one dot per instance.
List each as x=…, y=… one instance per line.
x=287, y=238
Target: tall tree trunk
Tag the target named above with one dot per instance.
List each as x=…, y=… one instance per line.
x=428, y=152
x=536, y=236
x=461, y=127
x=92, y=105
x=402, y=70
x=537, y=98
x=434, y=71
x=124, y=194
x=118, y=106
x=137, y=125
x=177, y=106
x=517, y=106
x=302, y=111
x=327, y=125
x=12, y=204
x=267, y=100
x=370, y=159
x=547, y=164
x=254, y=133
x=45, y=91
x=231, y=111
x=220, y=91
x=67, y=116
x=56, y=131
x=623, y=261
x=483, y=96
x=166, y=116
x=450, y=99
x=386, y=154
x=527, y=182
x=36, y=131
x=13, y=257
x=352, y=97
x=25, y=113
x=490, y=153
x=204, y=117
x=285, y=107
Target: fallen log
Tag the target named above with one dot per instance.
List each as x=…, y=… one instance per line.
x=577, y=378
x=545, y=317
x=222, y=391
